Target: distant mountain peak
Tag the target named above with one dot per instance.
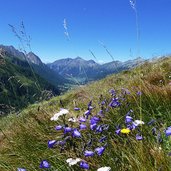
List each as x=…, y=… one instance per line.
x=13, y=52
x=34, y=58
x=10, y=50
x=91, y=61
x=78, y=58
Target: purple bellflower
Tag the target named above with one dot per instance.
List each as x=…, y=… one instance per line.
x=88, y=153
x=168, y=131
x=128, y=119
x=82, y=119
x=76, y=108
x=139, y=137
x=67, y=129
x=94, y=120
x=21, y=169
x=100, y=150
x=93, y=127
x=84, y=165
x=44, y=164
x=51, y=143
x=82, y=126
x=58, y=127
x=76, y=133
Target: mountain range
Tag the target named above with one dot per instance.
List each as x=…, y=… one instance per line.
x=65, y=71
x=24, y=76
x=88, y=70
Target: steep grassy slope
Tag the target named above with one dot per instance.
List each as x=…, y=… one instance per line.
x=141, y=94
x=19, y=85
x=38, y=66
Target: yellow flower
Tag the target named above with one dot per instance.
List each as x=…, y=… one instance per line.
x=125, y=131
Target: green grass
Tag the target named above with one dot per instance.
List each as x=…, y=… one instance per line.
x=23, y=137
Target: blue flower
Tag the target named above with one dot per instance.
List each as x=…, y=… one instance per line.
x=112, y=92
x=118, y=131
x=139, y=137
x=58, y=127
x=88, y=153
x=90, y=103
x=93, y=127
x=82, y=126
x=44, y=164
x=82, y=119
x=94, y=120
x=99, y=128
x=100, y=150
x=139, y=93
x=76, y=133
x=84, y=165
x=76, y=108
x=87, y=113
x=115, y=102
x=128, y=119
x=90, y=107
x=21, y=169
x=51, y=143
x=168, y=131
x=67, y=129
x=103, y=102
x=131, y=126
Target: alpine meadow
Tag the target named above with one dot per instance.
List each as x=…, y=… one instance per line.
x=85, y=85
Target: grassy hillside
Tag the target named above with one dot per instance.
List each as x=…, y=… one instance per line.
x=19, y=85
x=128, y=119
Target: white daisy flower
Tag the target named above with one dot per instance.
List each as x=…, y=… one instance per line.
x=72, y=161
x=138, y=122
x=72, y=119
x=64, y=111
x=104, y=169
x=56, y=115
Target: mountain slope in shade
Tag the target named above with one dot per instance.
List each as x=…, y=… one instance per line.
x=37, y=65
x=19, y=87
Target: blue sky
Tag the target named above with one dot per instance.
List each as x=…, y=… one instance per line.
x=89, y=23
